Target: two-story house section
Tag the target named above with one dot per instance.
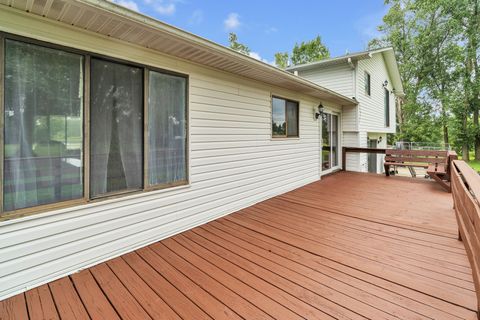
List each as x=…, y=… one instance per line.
x=373, y=79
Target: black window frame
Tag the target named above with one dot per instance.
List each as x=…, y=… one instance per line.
x=368, y=84
x=286, y=118
x=86, y=125
x=387, y=107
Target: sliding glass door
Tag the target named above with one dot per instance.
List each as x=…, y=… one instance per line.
x=329, y=141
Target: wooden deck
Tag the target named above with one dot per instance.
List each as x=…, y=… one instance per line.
x=352, y=246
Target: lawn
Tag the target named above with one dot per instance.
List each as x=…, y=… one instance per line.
x=475, y=164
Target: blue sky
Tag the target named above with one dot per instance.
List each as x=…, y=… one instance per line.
x=269, y=26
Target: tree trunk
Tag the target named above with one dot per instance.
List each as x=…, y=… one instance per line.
x=465, y=146
x=445, y=135
x=465, y=155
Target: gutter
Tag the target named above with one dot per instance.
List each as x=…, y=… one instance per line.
x=205, y=44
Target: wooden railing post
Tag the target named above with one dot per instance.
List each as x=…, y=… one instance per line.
x=452, y=155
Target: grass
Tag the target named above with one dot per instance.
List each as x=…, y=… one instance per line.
x=475, y=164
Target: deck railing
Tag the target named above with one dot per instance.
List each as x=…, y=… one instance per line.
x=346, y=150
x=466, y=197
x=452, y=155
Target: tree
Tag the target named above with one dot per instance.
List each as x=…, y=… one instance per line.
x=237, y=46
x=281, y=59
x=309, y=51
x=437, y=48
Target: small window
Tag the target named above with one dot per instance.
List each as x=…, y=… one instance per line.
x=387, y=108
x=367, y=83
x=284, y=118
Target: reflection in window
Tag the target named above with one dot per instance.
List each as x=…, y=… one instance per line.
x=278, y=117
x=292, y=119
x=387, y=107
x=166, y=129
x=116, y=133
x=326, y=147
x=367, y=84
x=43, y=126
x=284, y=118
x=329, y=141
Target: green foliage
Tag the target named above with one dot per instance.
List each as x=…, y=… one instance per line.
x=437, y=48
x=309, y=51
x=237, y=46
x=281, y=59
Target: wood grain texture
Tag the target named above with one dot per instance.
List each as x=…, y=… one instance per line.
x=465, y=191
x=352, y=246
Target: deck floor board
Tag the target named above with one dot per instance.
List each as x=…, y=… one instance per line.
x=351, y=246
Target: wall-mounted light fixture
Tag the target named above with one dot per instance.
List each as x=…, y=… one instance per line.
x=380, y=139
x=385, y=83
x=319, y=111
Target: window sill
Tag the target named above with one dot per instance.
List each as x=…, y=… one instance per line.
x=284, y=138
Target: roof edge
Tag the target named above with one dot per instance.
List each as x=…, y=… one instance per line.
x=147, y=21
x=339, y=59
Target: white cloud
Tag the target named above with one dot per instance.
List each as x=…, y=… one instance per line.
x=196, y=18
x=257, y=56
x=132, y=5
x=232, y=22
x=166, y=9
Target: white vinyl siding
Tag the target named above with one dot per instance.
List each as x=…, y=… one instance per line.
x=372, y=108
x=233, y=164
x=349, y=115
x=351, y=139
x=338, y=78
x=382, y=144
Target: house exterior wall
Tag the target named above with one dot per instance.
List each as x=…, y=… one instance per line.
x=233, y=163
x=338, y=78
x=381, y=143
x=371, y=108
x=351, y=139
x=369, y=116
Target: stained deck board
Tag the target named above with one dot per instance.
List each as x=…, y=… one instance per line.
x=40, y=303
x=351, y=246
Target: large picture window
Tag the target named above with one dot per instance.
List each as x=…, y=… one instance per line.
x=284, y=118
x=166, y=129
x=133, y=137
x=43, y=123
x=116, y=132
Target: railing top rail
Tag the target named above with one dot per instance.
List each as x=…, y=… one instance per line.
x=470, y=177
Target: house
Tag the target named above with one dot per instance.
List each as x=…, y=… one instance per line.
x=120, y=130
x=372, y=78
x=124, y=138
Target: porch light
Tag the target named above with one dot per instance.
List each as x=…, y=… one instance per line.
x=320, y=111
x=385, y=83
